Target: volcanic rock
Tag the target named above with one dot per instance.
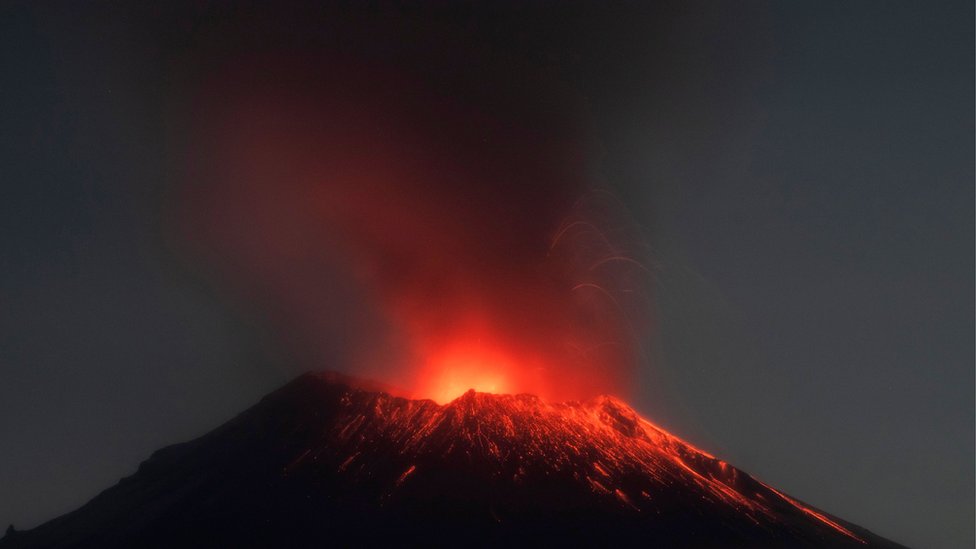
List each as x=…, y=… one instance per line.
x=328, y=460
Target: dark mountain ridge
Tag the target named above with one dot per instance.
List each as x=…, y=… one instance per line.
x=330, y=460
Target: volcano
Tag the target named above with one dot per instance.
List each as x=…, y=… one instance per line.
x=331, y=460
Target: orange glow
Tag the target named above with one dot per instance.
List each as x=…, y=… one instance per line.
x=461, y=265
x=602, y=444
x=458, y=368
x=456, y=380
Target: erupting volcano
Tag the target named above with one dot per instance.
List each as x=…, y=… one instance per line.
x=330, y=460
x=437, y=221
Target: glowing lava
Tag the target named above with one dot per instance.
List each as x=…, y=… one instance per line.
x=330, y=461
x=457, y=378
x=463, y=367
x=603, y=452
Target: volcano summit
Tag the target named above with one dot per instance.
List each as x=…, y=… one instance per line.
x=330, y=460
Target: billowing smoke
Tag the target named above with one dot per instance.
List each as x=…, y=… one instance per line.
x=427, y=220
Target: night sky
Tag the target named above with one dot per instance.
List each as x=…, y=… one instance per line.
x=799, y=175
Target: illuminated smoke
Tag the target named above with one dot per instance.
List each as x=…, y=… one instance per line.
x=451, y=205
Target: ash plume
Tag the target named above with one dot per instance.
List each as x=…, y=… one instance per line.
x=423, y=217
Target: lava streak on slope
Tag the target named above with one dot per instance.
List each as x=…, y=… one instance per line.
x=603, y=447
x=327, y=460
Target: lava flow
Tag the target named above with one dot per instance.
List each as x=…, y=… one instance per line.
x=615, y=457
x=328, y=460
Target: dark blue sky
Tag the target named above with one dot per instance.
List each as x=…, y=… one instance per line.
x=803, y=173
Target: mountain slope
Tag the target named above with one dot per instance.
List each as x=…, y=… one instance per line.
x=331, y=460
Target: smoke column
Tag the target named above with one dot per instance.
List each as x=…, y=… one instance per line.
x=427, y=221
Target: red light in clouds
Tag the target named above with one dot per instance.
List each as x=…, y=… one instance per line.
x=463, y=366
x=452, y=211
